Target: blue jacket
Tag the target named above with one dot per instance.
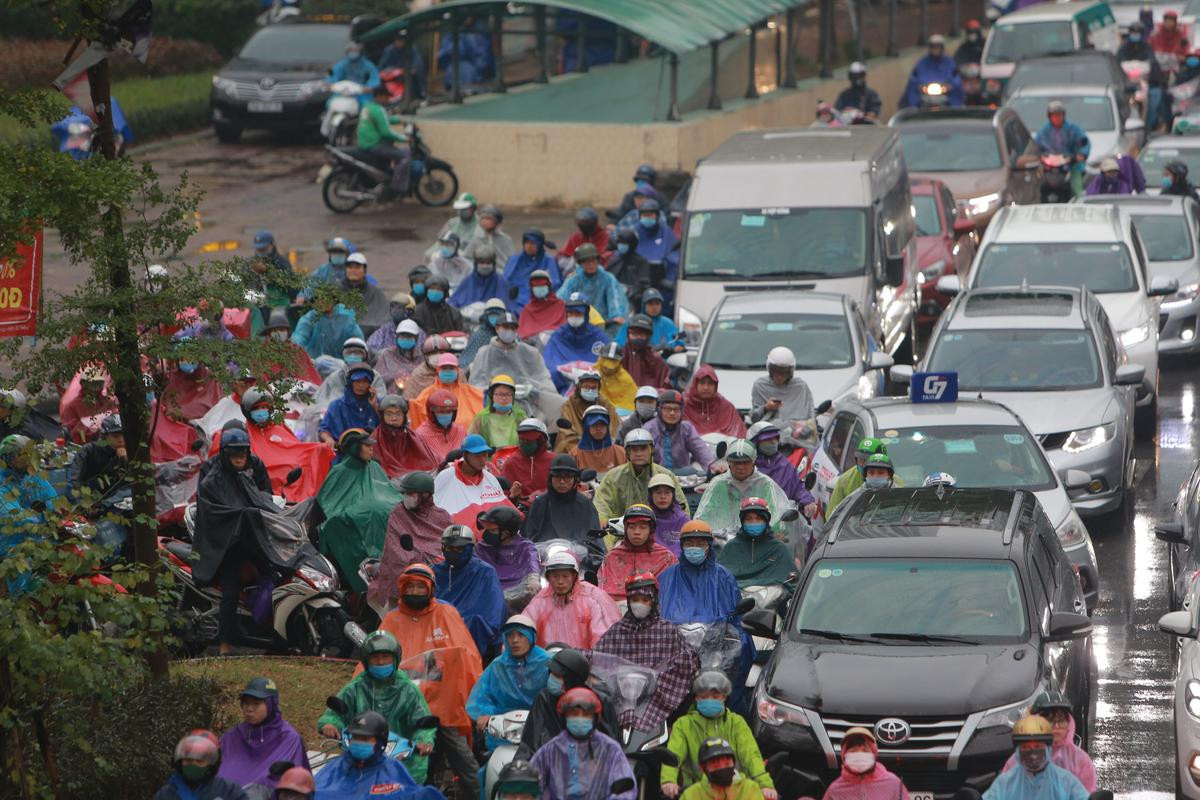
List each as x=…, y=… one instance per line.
x=477, y=289
x=215, y=789
x=603, y=291
x=508, y=684
x=930, y=70
x=361, y=72
x=657, y=244
x=1069, y=140
x=349, y=411
x=379, y=776
x=474, y=590
x=572, y=344
x=520, y=266
x=324, y=334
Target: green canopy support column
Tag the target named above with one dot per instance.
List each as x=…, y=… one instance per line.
x=673, y=112
x=789, y=52
x=456, y=93
x=580, y=45
x=751, y=88
x=714, y=76
x=498, y=38
x=539, y=21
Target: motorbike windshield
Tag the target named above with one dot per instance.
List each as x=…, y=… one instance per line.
x=1015, y=41
x=737, y=341
x=1018, y=360
x=776, y=243
x=976, y=601
x=1166, y=237
x=1093, y=113
x=950, y=151
x=628, y=685
x=993, y=457
x=1102, y=267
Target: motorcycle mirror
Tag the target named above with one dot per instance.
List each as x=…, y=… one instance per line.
x=197, y=445
x=563, y=424
x=621, y=786
x=513, y=291
x=791, y=515
x=426, y=722
x=587, y=475
x=354, y=633
x=598, y=533
x=336, y=704
x=744, y=605
x=722, y=447
x=277, y=769
x=810, y=480
x=664, y=756
x=825, y=406
x=293, y=475
x=406, y=541
x=761, y=622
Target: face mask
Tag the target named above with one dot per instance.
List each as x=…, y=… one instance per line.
x=1034, y=760
x=260, y=415
x=591, y=395
x=540, y=292
x=416, y=601
x=858, y=81
x=280, y=335
x=444, y=420
x=710, y=708
x=418, y=290
x=1192, y=61
x=352, y=358
x=188, y=367
x=638, y=343
x=447, y=375
x=1135, y=37
x=695, y=555
x=754, y=528
x=639, y=610
x=491, y=538
x=337, y=259
x=529, y=448
x=502, y=409
x=645, y=410
x=381, y=671
x=721, y=777
x=447, y=252
x=361, y=751
x=507, y=335
x=622, y=248
x=435, y=295
x=193, y=773
x=575, y=321
x=459, y=560
x=648, y=222
x=579, y=727
x=411, y=501
x=406, y=344
x=554, y=684
x=465, y=214
x=485, y=270
x=859, y=762
x=768, y=448
x=1166, y=184
x=877, y=482
x=355, y=56
x=493, y=319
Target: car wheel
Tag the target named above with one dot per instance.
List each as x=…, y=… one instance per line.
x=227, y=134
x=1145, y=421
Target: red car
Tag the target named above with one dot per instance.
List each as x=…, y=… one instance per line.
x=945, y=243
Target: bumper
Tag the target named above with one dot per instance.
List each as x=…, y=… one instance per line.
x=1178, y=329
x=294, y=115
x=1106, y=464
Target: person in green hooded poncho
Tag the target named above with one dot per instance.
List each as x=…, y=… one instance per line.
x=754, y=556
x=720, y=505
x=357, y=498
x=852, y=478
x=497, y=422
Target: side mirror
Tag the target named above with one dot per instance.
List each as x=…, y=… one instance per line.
x=406, y=542
x=1161, y=286
x=722, y=448
x=1178, y=623
x=597, y=533
x=621, y=786
x=663, y=755
x=963, y=224
x=879, y=360
x=1076, y=479
x=822, y=407
x=679, y=360
x=744, y=605
x=901, y=373
x=293, y=475
x=336, y=705
x=426, y=722
x=563, y=424
x=893, y=270
x=1129, y=375
x=810, y=480
x=1135, y=124
x=587, y=476
x=1171, y=532
x=949, y=284
x=1067, y=625
x=791, y=515
x=762, y=622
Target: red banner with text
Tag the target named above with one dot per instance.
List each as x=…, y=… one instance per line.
x=21, y=290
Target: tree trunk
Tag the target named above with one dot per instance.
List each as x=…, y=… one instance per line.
x=127, y=375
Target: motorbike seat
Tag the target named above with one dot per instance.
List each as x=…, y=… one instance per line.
x=181, y=550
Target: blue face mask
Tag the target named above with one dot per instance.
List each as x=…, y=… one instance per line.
x=695, y=555
x=648, y=222
x=447, y=252
x=444, y=420
x=337, y=259
x=502, y=409
x=418, y=290
x=406, y=343
x=1135, y=37
x=710, y=708
x=188, y=367
x=381, y=671
x=435, y=295
x=352, y=358
x=354, y=56
x=1192, y=61
x=260, y=415
x=622, y=247
x=1166, y=184
x=361, y=751
x=447, y=375
x=754, y=528
x=540, y=291
x=554, y=684
x=493, y=319
x=579, y=727
x=876, y=482
x=590, y=395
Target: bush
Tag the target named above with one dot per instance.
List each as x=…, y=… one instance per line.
x=33, y=63
x=223, y=24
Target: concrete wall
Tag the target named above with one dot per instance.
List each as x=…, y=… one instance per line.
x=573, y=164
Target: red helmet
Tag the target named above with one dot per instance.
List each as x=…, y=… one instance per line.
x=755, y=504
x=973, y=25
x=199, y=745
x=641, y=582
x=580, y=697
x=435, y=344
x=297, y=779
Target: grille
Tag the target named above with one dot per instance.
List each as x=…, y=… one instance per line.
x=929, y=737
x=1053, y=441
x=250, y=90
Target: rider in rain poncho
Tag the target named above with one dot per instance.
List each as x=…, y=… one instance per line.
x=513, y=680
x=720, y=505
x=754, y=556
x=1038, y=776
x=1056, y=709
x=863, y=777
x=470, y=585
x=581, y=763
x=250, y=748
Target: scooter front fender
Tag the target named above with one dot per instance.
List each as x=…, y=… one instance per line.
x=291, y=601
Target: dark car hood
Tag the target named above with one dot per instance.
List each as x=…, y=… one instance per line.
x=879, y=680
x=253, y=70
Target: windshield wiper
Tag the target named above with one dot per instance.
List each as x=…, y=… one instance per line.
x=841, y=637
x=924, y=637
x=790, y=273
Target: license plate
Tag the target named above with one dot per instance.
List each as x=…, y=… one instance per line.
x=920, y=796
x=266, y=106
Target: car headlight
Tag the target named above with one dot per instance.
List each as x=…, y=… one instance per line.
x=983, y=203
x=309, y=88
x=933, y=271
x=223, y=85
x=1008, y=715
x=1186, y=294
x=1072, y=533
x=1192, y=694
x=692, y=326
x=1087, y=438
x=323, y=582
x=1135, y=335
x=776, y=712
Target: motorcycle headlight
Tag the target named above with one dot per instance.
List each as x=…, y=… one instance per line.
x=933, y=271
x=935, y=89
x=1192, y=693
x=983, y=203
x=1072, y=533
x=1135, y=335
x=323, y=582
x=692, y=326
x=1186, y=294
x=223, y=85
x=1008, y=715
x=309, y=88
x=1087, y=438
x=776, y=712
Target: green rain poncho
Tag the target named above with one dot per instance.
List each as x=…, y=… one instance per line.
x=357, y=499
x=722, y=500
x=761, y=561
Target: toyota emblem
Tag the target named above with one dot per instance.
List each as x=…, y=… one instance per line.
x=267, y=83
x=892, y=731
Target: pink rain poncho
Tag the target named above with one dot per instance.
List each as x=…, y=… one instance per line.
x=1070, y=757
x=577, y=621
x=878, y=784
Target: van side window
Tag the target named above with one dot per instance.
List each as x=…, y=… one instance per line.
x=1107, y=343
x=839, y=431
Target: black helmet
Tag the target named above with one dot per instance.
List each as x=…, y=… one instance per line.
x=251, y=398
x=1137, y=27
x=235, y=440
x=369, y=723
x=1052, y=700
x=111, y=424
x=572, y=666
x=650, y=204
x=492, y=211
x=646, y=172
x=627, y=235
x=416, y=482
x=393, y=401
x=519, y=777
x=1178, y=169
x=506, y=517
x=564, y=463
x=714, y=748
x=586, y=214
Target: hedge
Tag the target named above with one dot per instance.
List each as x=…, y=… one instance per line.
x=34, y=63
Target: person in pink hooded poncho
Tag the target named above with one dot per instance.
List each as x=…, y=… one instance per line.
x=1056, y=710
x=863, y=777
x=569, y=609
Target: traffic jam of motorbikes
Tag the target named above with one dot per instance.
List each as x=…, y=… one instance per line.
x=776, y=485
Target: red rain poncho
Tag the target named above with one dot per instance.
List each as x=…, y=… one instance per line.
x=464, y=497
x=623, y=562
x=400, y=450
x=424, y=524
x=545, y=314
x=281, y=451
x=191, y=396
x=715, y=415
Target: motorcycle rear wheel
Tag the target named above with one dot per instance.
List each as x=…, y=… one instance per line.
x=331, y=641
x=437, y=187
x=336, y=185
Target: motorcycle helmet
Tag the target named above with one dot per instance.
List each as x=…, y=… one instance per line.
x=235, y=440
x=585, y=215
x=643, y=582
x=199, y=745
x=712, y=680
x=741, y=450
x=111, y=424
x=857, y=70
x=457, y=536
x=940, y=479
x=638, y=436
x=1137, y=27
x=757, y=505
x=564, y=464
x=416, y=482
x=560, y=558
x=532, y=424
x=393, y=401
x=627, y=235
x=493, y=212
x=781, y=357
x=297, y=779
x=762, y=430
x=572, y=666
x=379, y=642
x=1032, y=728
x=880, y=460
x=586, y=252
x=580, y=697
x=507, y=518
x=13, y=445
x=1055, y=107
x=639, y=511
x=435, y=344
x=696, y=529
x=869, y=446
x=645, y=173
x=337, y=245
x=252, y=398
x=1178, y=170
x=1052, y=700
x=449, y=238
x=519, y=777
x=369, y=723
x=714, y=748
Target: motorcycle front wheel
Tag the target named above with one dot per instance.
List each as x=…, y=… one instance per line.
x=340, y=191
x=437, y=187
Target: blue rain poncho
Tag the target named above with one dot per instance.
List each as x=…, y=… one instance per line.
x=520, y=266
x=509, y=683
x=349, y=411
x=474, y=590
x=477, y=289
x=657, y=245
x=568, y=344
x=1052, y=783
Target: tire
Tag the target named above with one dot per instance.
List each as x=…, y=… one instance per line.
x=227, y=134
x=338, y=181
x=332, y=641
x=437, y=187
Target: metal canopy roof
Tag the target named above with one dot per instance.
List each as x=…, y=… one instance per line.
x=676, y=25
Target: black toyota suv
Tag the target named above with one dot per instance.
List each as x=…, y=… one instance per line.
x=934, y=617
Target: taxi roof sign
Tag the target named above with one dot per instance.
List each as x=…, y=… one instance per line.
x=934, y=387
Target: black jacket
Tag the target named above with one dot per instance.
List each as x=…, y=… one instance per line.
x=636, y=274
x=438, y=317
x=97, y=467
x=864, y=98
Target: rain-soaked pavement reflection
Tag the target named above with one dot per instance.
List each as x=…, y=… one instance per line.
x=1133, y=736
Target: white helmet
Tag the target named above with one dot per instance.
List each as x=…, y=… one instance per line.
x=532, y=424
x=409, y=327
x=638, y=436
x=781, y=357
x=560, y=558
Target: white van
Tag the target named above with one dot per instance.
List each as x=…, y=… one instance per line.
x=1045, y=29
x=812, y=208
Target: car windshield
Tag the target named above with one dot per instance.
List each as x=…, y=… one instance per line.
x=1166, y=237
x=764, y=244
x=1057, y=72
x=950, y=150
x=909, y=598
x=979, y=457
x=1153, y=159
x=297, y=44
x=820, y=341
x=1102, y=267
x=1090, y=112
x=1015, y=41
x=929, y=221
x=1019, y=360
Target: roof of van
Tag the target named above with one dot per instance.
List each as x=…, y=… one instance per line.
x=1057, y=223
x=856, y=143
x=1040, y=11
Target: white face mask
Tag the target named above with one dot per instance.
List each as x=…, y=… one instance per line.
x=639, y=610
x=860, y=761
x=575, y=321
